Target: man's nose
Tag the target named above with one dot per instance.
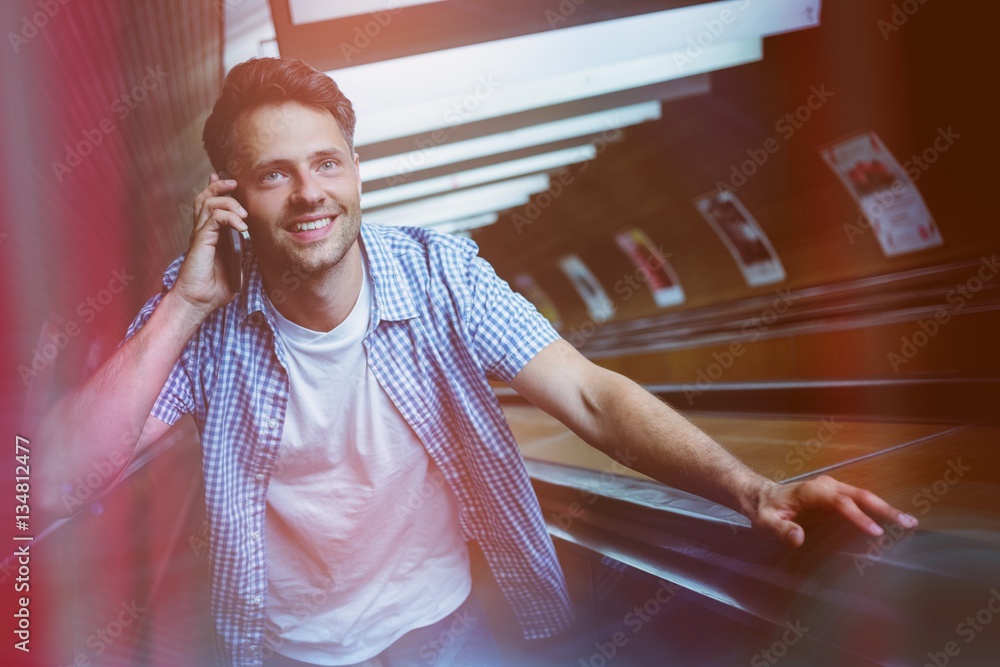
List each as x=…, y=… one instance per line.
x=307, y=192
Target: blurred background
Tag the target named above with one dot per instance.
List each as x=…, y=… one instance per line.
x=771, y=213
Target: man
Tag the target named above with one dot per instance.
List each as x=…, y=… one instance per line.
x=350, y=375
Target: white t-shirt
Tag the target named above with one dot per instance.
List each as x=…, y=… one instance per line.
x=363, y=540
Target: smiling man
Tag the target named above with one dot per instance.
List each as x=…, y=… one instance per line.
x=350, y=376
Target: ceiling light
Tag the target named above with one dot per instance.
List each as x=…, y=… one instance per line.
x=472, y=177
x=394, y=99
x=455, y=226
x=431, y=155
x=462, y=204
x=312, y=11
x=490, y=95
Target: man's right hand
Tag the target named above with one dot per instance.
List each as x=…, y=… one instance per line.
x=201, y=282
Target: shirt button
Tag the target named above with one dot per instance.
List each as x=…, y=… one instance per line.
x=258, y=600
x=259, y=477
x=272, y=423
x=255, y=537
x=252, y=648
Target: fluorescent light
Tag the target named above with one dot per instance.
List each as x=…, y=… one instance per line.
x=311, y=11
x=462, y=204
x=490, y=97
x=455, y=226
x=396, y=98
x=488, y=174
x=432, y=217
x=567, y=128
x=551, y=53
x=249, y=31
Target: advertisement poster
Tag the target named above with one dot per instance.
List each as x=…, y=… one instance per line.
x=651, y=267
x=889, y=199
x=599, y=306
x=742, y=236
x=526, y=285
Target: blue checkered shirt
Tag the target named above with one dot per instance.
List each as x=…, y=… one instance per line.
x=443, y=324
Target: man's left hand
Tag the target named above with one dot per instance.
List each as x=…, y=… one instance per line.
x=780, y=505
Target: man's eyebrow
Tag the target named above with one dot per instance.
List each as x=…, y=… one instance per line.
x=323, y=153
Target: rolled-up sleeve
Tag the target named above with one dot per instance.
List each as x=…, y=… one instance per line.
x=176, y=398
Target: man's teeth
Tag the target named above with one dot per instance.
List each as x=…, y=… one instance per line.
x=315, y=224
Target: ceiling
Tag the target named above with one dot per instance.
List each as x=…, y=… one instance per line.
x=465, y=107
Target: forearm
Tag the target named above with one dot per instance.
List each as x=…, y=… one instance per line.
x=629, y=424
x=658, y=441
x=96, y=427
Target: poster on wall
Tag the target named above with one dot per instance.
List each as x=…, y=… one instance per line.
x=526, y=285
x=652, y=267
x=890, y=201
x=599, y=306
x=742, y=236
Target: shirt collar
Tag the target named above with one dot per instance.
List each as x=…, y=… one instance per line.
x=251, y=299
x=393, y=298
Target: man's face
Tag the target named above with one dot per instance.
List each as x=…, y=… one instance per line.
x=299, y=183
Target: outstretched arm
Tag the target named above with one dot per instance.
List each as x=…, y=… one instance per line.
x=611, y=412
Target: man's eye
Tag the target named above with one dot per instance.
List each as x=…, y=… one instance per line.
x=328, y=164
x=270, y=176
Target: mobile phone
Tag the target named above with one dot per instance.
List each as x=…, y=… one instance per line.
x=231, y=249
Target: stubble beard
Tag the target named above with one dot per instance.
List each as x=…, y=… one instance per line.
x=318, y=259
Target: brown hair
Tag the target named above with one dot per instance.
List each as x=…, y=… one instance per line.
x=261, y=81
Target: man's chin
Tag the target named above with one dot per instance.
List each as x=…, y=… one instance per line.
x=314, y=261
